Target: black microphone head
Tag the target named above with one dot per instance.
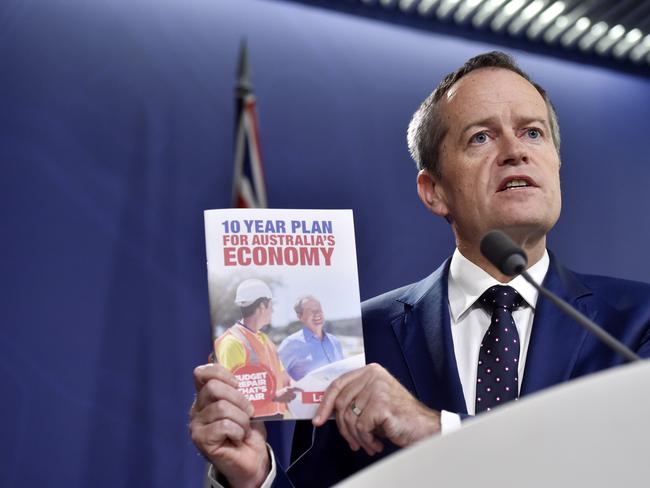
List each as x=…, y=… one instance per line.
x=503, y=253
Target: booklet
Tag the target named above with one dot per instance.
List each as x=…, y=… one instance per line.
x=284, y=304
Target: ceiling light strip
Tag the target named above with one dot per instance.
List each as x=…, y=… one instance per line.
x=526, y=16
x=405, y=5
x=446, y=8
x=426, y=7
x=640, y=50
x=485, y=12
x=565, y=22
x=606, y=42
x=505, y=14
x=596, y=32
x=626, y=44
x=544, y=19
x=573, y=34
x=467, y=8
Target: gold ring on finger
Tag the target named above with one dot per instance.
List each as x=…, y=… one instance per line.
x=355, y=410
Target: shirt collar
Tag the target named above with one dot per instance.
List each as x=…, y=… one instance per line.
x=309, y=335
x=467, y=282
x=247, y=329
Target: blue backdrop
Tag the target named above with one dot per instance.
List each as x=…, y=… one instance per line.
x=116, y=133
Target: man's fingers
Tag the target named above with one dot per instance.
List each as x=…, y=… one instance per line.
x=361, y=404
x=378, y=402
x=221, y=410
x=350, y=396
x=368, y=421
x=349, y=401
x=353, y=400
x=285, y=395
x=207, y=372
x=342, y=425
x=259, y=427
x=363, y=398
x=369, y=442
x=215, y=434
x=215, y=390
x=327, y=404
x=342, y=399
x=364, y=408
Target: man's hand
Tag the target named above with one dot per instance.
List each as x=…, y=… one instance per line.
x=220, y=428
x=286, y=394
x=369, y=404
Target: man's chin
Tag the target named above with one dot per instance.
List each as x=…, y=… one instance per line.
x=524, y=219
x=525, y=230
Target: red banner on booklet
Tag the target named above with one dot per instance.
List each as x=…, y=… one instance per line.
x=312, y=396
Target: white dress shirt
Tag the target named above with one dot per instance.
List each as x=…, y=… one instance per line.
x=469, y=321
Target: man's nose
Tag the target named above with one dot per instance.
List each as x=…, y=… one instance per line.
x=512, y=150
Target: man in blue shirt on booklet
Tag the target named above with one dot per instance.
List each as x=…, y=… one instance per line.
x=467, y=338
x=311, y=347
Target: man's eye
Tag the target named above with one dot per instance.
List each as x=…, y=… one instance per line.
x=480, y=138
x=534, y=133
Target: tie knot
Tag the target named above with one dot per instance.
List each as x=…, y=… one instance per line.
x=500, y=296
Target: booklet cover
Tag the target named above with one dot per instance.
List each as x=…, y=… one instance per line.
x=284, y=304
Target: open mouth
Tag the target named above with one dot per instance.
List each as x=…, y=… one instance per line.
x=516, y=183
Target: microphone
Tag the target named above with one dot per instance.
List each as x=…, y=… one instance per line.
x=503, y=253
x=511, y=260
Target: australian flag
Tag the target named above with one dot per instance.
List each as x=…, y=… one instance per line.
x=249, y=186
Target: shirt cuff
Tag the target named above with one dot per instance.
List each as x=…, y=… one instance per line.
x=449, y=422
x=213, y=475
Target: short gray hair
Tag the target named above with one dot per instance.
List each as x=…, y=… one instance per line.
x=300, y=302
x=426, y=130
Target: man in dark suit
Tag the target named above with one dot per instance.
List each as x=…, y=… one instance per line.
x=467, y=338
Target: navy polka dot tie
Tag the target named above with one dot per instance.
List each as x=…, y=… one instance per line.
x=498, y=358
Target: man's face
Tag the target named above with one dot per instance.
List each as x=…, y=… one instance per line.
x=499, y=166
x=267, y=312
x=312, y=315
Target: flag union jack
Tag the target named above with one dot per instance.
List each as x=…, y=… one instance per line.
x=249, y=186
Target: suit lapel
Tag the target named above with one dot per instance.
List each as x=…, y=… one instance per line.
x=423, y=332
x=555, y=339
x=424, y=335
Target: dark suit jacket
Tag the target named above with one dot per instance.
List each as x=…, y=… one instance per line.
x=408, y=332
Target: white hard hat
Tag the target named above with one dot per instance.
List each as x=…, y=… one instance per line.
x=250, y=290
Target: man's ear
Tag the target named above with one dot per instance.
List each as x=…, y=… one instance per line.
x=431, y=194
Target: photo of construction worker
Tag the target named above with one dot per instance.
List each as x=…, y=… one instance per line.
x=248, y=352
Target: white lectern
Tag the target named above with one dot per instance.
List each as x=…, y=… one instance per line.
x=591, y=432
